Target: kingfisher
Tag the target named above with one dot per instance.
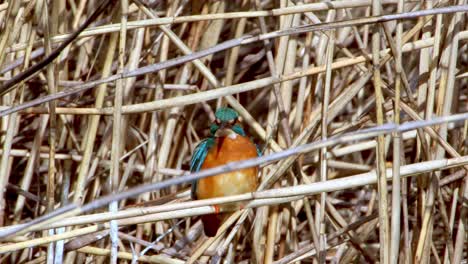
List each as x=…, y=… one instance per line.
x=227, y=143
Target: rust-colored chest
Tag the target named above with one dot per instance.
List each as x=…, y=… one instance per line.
x=225, y=150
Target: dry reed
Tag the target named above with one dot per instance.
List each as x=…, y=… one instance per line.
x=360, y=108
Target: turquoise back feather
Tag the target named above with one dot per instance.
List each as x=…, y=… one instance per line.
x=198, y=157
x=199, y=154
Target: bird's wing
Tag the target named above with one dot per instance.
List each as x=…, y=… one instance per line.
x=259, y=151
x=198, y=157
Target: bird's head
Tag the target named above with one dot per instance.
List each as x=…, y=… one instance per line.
x=225, y=123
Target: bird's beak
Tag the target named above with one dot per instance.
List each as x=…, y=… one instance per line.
x=223, y=132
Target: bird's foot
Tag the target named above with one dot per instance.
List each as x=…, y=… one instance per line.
x=217, y=209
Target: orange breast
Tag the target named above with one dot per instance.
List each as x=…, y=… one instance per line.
x=236, y=182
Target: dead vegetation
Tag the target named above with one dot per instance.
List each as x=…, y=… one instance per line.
x=103, y=103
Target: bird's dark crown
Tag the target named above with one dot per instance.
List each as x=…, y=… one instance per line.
x=226, y=116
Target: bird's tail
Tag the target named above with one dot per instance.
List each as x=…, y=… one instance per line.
x=211, y=223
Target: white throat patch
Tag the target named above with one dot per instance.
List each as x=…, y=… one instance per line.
x=232, y=135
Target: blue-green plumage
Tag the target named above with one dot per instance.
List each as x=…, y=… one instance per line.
x=226, y=114
x=259, y=151
x=198, y=157
x=238, y=129
x=199, y=154
x=213, y=129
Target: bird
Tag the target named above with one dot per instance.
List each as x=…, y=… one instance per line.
x=227, y=142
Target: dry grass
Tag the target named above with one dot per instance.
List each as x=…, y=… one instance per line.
x=360, y=107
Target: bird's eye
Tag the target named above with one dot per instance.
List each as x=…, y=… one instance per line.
x=217, y=121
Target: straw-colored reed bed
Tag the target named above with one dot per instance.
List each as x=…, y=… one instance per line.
x=359, y=106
